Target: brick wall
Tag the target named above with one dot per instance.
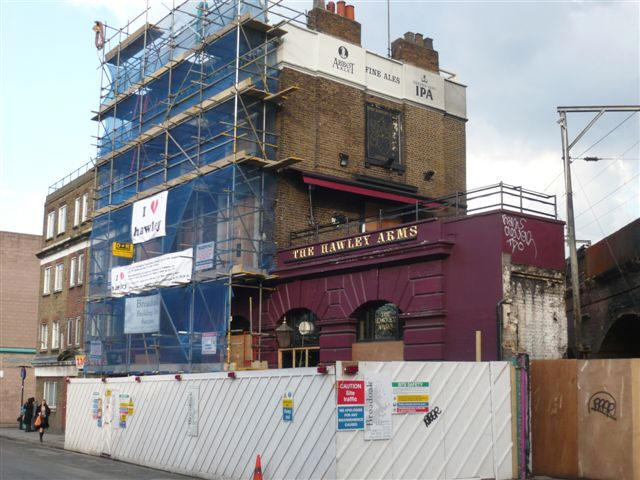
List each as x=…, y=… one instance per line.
x=10, y=386
x=333, y=24
x=324, y=118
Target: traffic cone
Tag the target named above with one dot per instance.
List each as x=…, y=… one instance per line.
x=257, y=473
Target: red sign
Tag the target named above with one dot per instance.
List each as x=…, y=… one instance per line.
x=350, y=392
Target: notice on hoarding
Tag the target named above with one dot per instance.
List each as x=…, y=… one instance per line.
x=204, y=256
x=287, y=407
x=148, y=218
x=410, y=397
x=163, y=271
x=209, y=343
x=123, y=409
x=378, y=422
x=96, y=408
x=193, y=399
x=142, y=314
x=350, y=404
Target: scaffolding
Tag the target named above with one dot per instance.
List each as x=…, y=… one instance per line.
x=187, y=106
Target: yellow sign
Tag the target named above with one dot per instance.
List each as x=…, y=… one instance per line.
x=412, y=398
x=131, y=406
x=107, y=393
x=124, y=250
x=287, y=402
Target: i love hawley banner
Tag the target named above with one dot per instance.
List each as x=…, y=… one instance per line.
x=148, y=218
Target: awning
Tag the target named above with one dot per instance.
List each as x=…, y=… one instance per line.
x=368, y=192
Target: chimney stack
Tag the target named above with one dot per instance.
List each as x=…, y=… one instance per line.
x=337, y=20
x=416, y=50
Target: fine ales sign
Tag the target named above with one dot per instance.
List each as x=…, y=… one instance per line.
x=355, y=243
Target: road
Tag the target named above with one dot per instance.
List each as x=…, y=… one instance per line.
x=22, y=460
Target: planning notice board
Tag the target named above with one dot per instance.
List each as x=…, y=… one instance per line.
x=350, y=403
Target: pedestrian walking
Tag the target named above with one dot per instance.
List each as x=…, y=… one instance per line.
x=42, y=418
x=28, y=414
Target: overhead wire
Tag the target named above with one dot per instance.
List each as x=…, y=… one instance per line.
x=603, y=198
x=620, y=205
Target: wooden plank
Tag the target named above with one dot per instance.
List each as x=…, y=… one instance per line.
x=554, y=402
x=131, y=38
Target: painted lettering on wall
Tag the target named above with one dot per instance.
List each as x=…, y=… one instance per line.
x=423, y=89
x=354, y=243
x=342, y=63
x=431, y=416
x=603, y=403
x=517, y=235
x=374, y=72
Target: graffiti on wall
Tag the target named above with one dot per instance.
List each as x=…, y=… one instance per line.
x=603, y=403
x=517, y=235
x=431, y=416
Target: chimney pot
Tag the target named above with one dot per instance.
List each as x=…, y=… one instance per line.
x=318, y=4
x=331, y=6
x=418, y=39
x=409, y=37
x=350, y=12
x=341, y=7
x=428, y=43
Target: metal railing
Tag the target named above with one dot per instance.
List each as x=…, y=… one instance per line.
x=77, y=173
x=499, y=196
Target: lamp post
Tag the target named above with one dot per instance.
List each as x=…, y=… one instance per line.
x=283, y=334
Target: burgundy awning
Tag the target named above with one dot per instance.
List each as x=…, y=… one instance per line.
x=368, y=192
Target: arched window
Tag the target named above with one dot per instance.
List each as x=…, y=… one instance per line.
x=298, y=339
x=378, y=321
x=304, y=325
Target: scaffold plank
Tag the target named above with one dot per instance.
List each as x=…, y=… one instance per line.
x=134, y=42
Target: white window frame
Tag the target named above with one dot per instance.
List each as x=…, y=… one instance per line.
x=78, y=329
x=62, y=219
x=50, y=394
x=70, y=338
x=72, y=271
x=46, y=281
x=85, y=207
x=44, y=336
x=80, y=269
x=77, y=211
x=55, y=335
x=51, y=221
x=58, y=277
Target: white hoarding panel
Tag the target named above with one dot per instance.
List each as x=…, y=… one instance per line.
x=423, y=87
x=148, y=218
x=163, y=271
x=341, y=59
x=383, y=75
x=142, y=314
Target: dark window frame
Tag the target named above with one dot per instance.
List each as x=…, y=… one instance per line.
x=366, y=326
x=370, y=157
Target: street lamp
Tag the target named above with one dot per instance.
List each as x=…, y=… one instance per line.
x=283, y=334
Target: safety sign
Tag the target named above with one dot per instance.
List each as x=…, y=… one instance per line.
x=350, y=404
x=410, y=397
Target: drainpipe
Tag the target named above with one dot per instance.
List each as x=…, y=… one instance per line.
x=499, y=321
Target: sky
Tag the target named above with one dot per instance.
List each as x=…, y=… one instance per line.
x=519, y=60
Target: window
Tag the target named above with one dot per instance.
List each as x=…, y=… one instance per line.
x=70, y=331
x=46, y=284
x=80, y=269
x=78, y=330
x=44, y=336
x=51, y=220
x=51, y=394
x=57, y=282
x=55, y=335
x=299, y=348
x=383, y=136
x=62, y=219
x=379, y=321
x=76, y=212
x=85, y=207
x=72, y=271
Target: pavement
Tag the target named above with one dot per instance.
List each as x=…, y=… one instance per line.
x=22, y=456
x=52, y=440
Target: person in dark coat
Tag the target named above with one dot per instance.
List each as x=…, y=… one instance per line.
x=28, y=414
x=43, y=412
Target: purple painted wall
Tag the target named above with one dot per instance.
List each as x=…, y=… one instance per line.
x=444, y=275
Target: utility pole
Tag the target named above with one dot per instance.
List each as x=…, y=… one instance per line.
x=571, y=228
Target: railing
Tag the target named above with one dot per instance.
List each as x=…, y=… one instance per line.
x=500, y=196
x=71, y=177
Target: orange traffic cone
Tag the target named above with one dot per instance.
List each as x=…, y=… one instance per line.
x=257, y=473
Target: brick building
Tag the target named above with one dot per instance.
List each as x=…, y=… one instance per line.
x=63, y=255
x=19, y=274
x=240, y=161
x=609, y=296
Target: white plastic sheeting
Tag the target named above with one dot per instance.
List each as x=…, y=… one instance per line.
x=238, y=419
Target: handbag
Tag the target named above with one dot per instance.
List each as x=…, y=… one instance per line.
x=38, y=421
